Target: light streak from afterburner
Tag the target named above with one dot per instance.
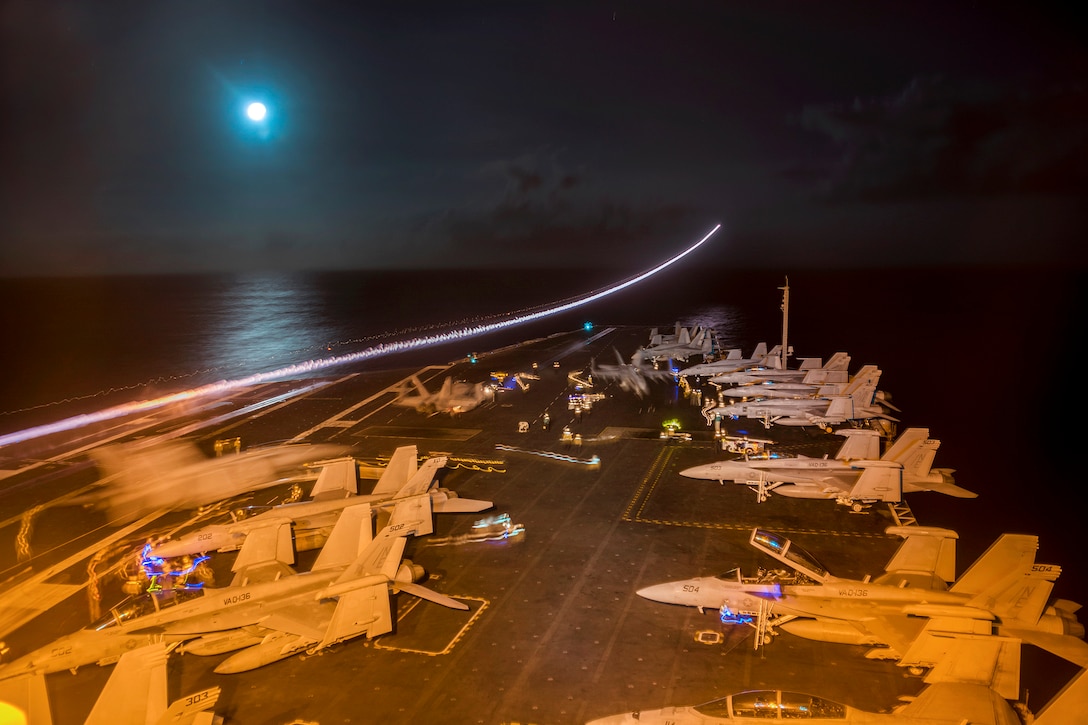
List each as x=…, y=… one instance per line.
x=314, y=365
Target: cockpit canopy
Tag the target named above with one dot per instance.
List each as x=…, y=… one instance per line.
x=773, y=705
x=789, y=553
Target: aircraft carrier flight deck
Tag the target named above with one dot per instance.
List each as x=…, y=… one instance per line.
x=554, y=631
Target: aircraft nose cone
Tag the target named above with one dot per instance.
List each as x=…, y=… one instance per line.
x=658, y=593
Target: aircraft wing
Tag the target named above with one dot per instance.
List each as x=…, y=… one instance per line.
x=365, y=611
x=896, y=631
x=301, y=618
x=925, y=551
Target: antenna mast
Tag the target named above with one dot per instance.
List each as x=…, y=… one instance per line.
x=785, y=322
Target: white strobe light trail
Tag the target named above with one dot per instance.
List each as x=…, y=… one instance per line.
x=312, y=365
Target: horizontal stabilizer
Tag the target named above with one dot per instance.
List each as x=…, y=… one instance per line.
x=946, y=487
x=429, y=594
x=1069, y=648
x=879, y=483
x=458, y=505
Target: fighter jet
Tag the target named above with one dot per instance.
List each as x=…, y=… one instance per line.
x=335, y=490
x=810, y=372
x=859, y=401
x=135, y=694
x=633, y=377
x=973, y=685
x=855, y=477
x=269, y=611
x=733, y=361
x=139, y=478
x=909, y=613
x=699, y=342
x=813, y=382
x=453, y=397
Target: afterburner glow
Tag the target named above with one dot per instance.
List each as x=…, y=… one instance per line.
x=367, y=354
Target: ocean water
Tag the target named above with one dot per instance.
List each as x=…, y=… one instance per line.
x=985, y=358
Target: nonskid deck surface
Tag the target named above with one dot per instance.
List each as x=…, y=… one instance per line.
x=554, y=632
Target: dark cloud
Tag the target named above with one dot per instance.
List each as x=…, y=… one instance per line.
x=431, y=134
x=947, y=137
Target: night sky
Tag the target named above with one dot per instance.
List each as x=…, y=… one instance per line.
x=518, y=134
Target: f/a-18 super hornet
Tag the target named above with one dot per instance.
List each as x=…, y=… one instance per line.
x=734, y=361
x=700, y=341
x=972, y=687
x=909, y=613
x=855, y=477
x=858, y=401
x=633, y=377
x=269, y=611
x=135, y=694
x=336, y=489
x=139, y=478
x=811, y=371
x=454, y=397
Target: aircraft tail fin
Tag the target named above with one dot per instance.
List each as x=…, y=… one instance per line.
x=446, y=391
x=734, y=354
x=834, y=371
x=861, y=444
x=420, y=388
x=684, y=338
x=266, y=554
x=810, y=363
x=422, y=479
x=413, y=515
x=136, y=693
x=350, y=536
x=29, y=696
x=1007, y=560
x=338, y=479
x=1024, y=602
x=402, y=466
x=1068, y=705
x=760, y=350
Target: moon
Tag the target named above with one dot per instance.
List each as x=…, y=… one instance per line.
x=256, y=111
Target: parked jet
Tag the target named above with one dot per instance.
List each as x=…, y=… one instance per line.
x=135, y=694
x=687, y=344
x=139, y=478
x=908, y=613
x=857, y=402
x=854, y=477
x=633, y=377
x=813, y=382
x=811, y=371
x=733, y=361
x=453, y=397
x=335, y=490
x=950, y=700
x=268, y=606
